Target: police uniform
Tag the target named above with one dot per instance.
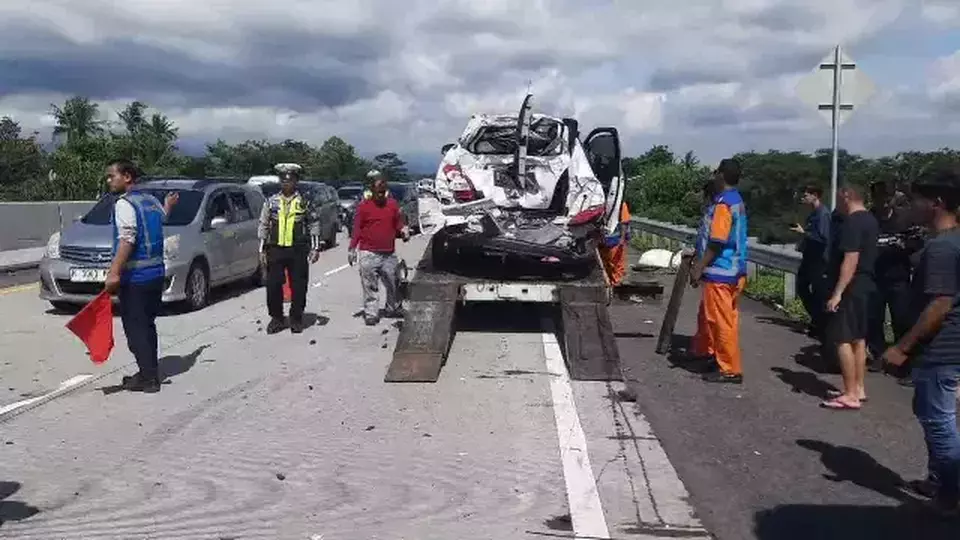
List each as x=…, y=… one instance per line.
x=893, y=271
x=138, y=220
x=289, y=231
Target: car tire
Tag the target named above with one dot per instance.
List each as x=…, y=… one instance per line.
x=439, y=254
x=331, y=241
x=197, y=287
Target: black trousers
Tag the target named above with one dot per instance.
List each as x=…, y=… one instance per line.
x=140, y=304
x=281, y=260
x=811, y=289
x=894, y=294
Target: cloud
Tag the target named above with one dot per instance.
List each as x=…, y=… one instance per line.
x=710, y=75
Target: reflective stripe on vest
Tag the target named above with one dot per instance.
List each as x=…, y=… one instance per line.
x=146, y=261
x=287, y=220
x=730, y=263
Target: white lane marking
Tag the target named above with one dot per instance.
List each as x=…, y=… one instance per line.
x=330, y=273
x=586, y=511
x=63, y=388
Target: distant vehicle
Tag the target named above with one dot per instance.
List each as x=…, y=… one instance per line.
x=323, y=197
x=523, y=188
x=407, y=196
x=210, y=240
x=349, y=195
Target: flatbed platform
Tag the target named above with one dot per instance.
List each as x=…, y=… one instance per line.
x=434, y=297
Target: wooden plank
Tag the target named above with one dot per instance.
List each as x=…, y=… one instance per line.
x=424, y=342
x=673, y=306
x=590, y=345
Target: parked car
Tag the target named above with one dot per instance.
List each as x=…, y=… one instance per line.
x=325, y=201
x=349, y=195
x=210, y=240
x=408, y=197
x=537, y=206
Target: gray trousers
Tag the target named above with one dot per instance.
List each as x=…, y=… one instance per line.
x=374, y=268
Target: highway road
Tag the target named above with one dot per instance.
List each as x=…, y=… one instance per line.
x=298, y=437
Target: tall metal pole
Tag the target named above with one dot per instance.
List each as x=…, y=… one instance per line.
x=837, y=70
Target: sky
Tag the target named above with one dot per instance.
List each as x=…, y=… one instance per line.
x=712, y=76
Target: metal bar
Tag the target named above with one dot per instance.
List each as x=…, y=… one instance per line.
x=836, y=127
x=673, y=306
x=829, y=107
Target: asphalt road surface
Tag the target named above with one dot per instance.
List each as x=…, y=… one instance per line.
x=18, y=278
x=298, y=437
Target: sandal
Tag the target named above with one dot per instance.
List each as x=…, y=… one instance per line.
x=839, y=405
x=833, y=394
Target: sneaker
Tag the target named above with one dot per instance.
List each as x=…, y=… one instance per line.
x=371, y=321
x=721, y=377
x=275, y=326
x=394, y=313
x=139, y=383
x=296, y=326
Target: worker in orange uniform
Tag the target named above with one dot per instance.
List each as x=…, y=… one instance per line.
x=613, y=250
x=721, y=267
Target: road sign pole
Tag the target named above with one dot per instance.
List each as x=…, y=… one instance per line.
x=837, y=81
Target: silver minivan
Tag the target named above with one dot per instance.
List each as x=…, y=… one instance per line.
x=210, y=240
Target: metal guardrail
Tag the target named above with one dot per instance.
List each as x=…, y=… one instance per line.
x=778, y=258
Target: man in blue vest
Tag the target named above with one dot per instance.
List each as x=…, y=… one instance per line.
x=721, y=266
x=137, y=271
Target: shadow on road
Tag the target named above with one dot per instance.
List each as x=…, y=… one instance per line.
x=496, y=317
x=844, y=522
x=312, y=319
x=679, y=355
x=13, y=510
x=812, y=357
x=858, y=467
x=798, y=327
x=170, y=366
x=804, y=382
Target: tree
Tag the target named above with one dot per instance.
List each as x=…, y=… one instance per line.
x=78, y=119
x=391, y=165
x=21, y=159
x=337, y=161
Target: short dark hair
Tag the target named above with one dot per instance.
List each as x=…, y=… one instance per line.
x=730, y=169
x=854, y=191
x=814, y=190
x=940, y=183
x=126, y=168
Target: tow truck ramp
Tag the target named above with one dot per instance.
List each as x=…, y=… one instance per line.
x=434, y=298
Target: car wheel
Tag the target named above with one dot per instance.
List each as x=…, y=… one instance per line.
x=331, y=241
x=197, y=287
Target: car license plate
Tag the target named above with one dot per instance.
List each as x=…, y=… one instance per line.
x=88, y=275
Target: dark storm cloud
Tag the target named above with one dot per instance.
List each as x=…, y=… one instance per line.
x=666, y=80
x=299, y=71
x=784, y=18
x=718, y=116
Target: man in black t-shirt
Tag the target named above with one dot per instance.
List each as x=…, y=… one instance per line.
x=850, y=273
x=933, y=343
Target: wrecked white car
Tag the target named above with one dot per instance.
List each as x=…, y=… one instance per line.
x=522, y=194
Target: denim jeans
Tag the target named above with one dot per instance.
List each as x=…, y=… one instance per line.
x=935, y=406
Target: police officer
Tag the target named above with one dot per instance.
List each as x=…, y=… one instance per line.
x=893, y=271
x=289, y=240
x=137, y=271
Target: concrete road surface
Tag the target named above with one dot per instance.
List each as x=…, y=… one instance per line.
x=298, y=437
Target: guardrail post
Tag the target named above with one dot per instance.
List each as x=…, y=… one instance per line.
x=752, y=270
x=789, y=286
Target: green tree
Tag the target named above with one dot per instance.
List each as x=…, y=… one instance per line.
x=391, y=165
x=78, y=120
x=21, y=159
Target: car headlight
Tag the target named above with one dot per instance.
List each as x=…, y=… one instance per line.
x=53, y=246
x=171, y=247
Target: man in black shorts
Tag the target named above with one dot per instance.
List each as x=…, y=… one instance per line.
x=852, y=261
x=933, y=343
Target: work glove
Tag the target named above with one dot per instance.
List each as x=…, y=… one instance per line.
x=314, y=256
x=352, y=257
x=405, y=233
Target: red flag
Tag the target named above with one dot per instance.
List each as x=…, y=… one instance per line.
x=94, y=326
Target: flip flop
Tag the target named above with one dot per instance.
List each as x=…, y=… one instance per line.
x=837, y=405
x=836, y=393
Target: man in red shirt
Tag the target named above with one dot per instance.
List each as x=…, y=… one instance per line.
x=376, y=224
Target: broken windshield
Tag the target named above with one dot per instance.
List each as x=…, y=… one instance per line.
x=545, y=139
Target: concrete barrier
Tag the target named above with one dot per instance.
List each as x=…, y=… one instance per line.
x=30, y=224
